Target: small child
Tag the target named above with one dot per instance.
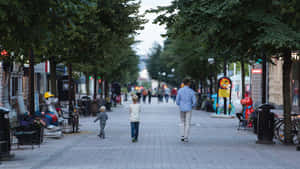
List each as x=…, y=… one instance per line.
x=134, y=110
x=102, y=117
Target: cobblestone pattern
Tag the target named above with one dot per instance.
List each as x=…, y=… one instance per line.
x=214, y=144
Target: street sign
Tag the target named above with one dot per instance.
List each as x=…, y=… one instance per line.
x=225, y=83
x=256, y=71
x=224, y=93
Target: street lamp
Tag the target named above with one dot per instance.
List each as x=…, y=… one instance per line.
x=159, y=79
x=172, y=70
x=211, y=60
x=164, y=75
x=295, y=56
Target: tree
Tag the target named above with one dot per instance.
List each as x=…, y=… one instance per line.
x=243, y=30
x=155, y=64
x=81, y=34
x=24, y=28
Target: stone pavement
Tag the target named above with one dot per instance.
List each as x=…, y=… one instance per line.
x=214, y=144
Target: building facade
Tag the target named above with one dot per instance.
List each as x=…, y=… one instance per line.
x=275, y=84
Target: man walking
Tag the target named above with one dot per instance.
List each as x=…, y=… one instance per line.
x=186, y=100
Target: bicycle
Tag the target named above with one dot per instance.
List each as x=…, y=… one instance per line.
x=279, y=128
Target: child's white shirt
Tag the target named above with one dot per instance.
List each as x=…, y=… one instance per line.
x=134, y=110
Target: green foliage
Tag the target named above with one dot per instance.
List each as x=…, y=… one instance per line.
x=240, y=30
x=232, y=31
x=94, y=35
x=155, y=64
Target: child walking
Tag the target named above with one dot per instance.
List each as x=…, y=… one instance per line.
x=134, y=110
x=102, y=117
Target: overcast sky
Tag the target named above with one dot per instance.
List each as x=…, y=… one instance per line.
x=152, y=32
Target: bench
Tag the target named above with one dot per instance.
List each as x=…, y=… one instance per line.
x=33, y=136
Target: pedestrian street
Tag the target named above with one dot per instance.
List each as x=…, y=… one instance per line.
x=214, y=144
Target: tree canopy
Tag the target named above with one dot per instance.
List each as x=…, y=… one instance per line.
x=95, y=36
x=231, y=31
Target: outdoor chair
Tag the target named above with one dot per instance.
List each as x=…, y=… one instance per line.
x=29, y=136
x=243, y=123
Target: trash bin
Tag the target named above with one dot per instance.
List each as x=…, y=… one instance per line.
x=4, y=133
x=265, y=124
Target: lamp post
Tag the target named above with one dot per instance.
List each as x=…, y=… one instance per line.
x=158, y=79
x=173, y=75
x=164, y=75
x=211, y=61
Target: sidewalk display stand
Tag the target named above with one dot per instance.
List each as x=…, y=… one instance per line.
x=247, y=118
x=224, y=91
x=248, y=110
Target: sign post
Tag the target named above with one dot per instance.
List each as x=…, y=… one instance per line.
x=224, y=91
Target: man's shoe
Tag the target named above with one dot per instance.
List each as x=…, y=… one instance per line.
x=186, y=140
x=133, y=140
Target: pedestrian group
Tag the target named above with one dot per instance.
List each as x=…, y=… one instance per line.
x=184, y=98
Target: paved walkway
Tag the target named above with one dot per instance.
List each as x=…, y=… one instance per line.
x=215, y=144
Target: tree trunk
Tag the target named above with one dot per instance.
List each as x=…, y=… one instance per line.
x=201, y=87
x=287, y=97
x=216, y=82
x=264, y=79
x=53, y=75
x=225, y=74
x=71, y=87
x=106, y=87
x=102, y=88
x=87, y=84
x=298, y=94
x=4, y=95
x=243, y=78
x=9, y=87
x=210, y=86
x=31, y=83
x=95, y=86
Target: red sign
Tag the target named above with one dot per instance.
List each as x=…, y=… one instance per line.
x=4, y=53
x=256, y=71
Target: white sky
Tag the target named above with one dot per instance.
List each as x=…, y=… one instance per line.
x=151, y=32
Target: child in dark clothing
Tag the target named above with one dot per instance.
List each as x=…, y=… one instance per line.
x=102, y=117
